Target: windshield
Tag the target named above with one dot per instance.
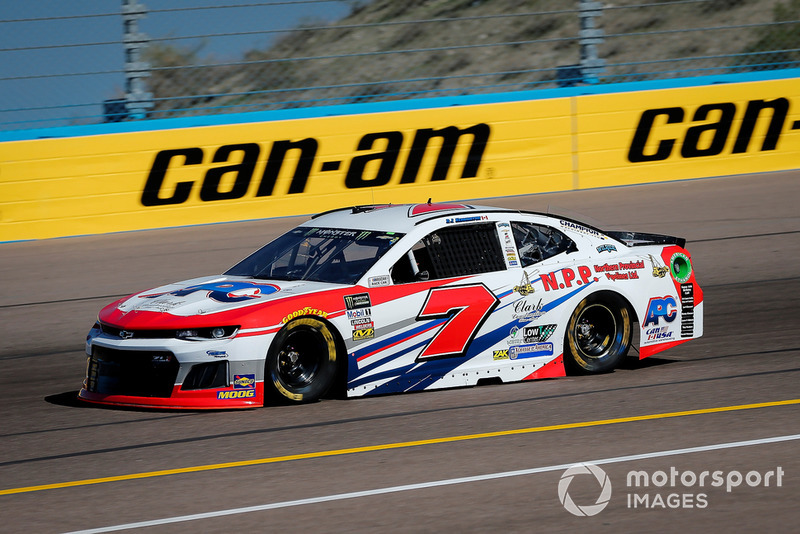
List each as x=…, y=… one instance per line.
x=319, y=254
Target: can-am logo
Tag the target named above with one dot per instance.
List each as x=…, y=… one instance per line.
x=710, y=129
x=376, y=161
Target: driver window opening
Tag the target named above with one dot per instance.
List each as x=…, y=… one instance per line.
x=536, y=242
x=449, y=252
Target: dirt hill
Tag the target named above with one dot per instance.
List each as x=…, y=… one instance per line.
x=388, y=50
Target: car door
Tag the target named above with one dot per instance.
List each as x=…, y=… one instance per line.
x=427, y=319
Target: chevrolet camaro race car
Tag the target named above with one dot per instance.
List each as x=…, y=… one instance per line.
x=382, y=299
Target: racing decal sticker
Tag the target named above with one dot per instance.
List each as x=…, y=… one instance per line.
x=463, y=320
x=530, y=351
x=379, y=281
x=501, y=354
x=224, y=291
x=575, y=227
x=244, y=381
x=231, y=394
x=552, y=281
x=524, y=288
x=687, y=310
x=308, y=310
x=357, y=316
x=659, y=271
x=535, y=334
x=514, y=338
x=364, y=333
x=612, y=271
x=660, y=308
x=473, y=218
x=658, y=333
x=606, y=248
x=681, y=267
x=359, y=300
x=504, y=230
x=525, y=310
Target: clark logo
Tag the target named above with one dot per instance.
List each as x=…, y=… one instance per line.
x=374, y=165
x=717, y=122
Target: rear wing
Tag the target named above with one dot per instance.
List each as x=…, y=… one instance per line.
x=637, y=239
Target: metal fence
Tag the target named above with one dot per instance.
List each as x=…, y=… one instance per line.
x=140, y=63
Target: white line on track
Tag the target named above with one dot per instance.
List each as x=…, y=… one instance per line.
x=433, y=484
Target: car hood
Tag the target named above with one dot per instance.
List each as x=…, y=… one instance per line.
x=215, y=294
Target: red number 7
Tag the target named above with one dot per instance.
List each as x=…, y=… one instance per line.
x=467, y=308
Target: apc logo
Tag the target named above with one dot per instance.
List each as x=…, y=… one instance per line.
x=661, y=307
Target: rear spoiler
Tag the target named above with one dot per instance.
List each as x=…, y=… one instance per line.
x=636, y=239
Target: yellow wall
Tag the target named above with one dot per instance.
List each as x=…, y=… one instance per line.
x=95, y=184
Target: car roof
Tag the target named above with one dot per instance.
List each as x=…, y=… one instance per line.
x=396, y=217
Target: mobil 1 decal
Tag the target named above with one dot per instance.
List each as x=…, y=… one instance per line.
x=374, y=161
x=710, y=128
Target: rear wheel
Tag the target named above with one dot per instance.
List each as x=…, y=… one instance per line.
x=301, y=364
x=598, y=335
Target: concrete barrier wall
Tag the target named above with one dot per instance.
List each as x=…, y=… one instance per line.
x=281, y=164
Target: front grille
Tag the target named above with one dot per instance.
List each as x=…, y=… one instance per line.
x=207, y=376
x=138, y=334
x=131, y=372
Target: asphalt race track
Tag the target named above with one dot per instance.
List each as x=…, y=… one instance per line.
x=478, y=459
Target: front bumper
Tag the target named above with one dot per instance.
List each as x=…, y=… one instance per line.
x=174, y=373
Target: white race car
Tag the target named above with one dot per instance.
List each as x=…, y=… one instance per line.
x=384, y=299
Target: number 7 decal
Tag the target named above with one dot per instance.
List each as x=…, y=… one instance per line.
x=466, y=307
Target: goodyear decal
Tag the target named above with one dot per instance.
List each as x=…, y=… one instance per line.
x=308, y=310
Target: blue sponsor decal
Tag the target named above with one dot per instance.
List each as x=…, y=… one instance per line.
x=530, y=351
x=244, y=381
x=660, y=308
x=224, y=291
x=236, y=394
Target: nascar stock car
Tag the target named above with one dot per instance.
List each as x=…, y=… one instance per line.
x=393, y=298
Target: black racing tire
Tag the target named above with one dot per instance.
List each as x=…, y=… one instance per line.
x=301, y=364
x=598, y=336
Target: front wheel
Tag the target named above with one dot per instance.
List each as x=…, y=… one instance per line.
x=301, y=363
x=598, y=335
